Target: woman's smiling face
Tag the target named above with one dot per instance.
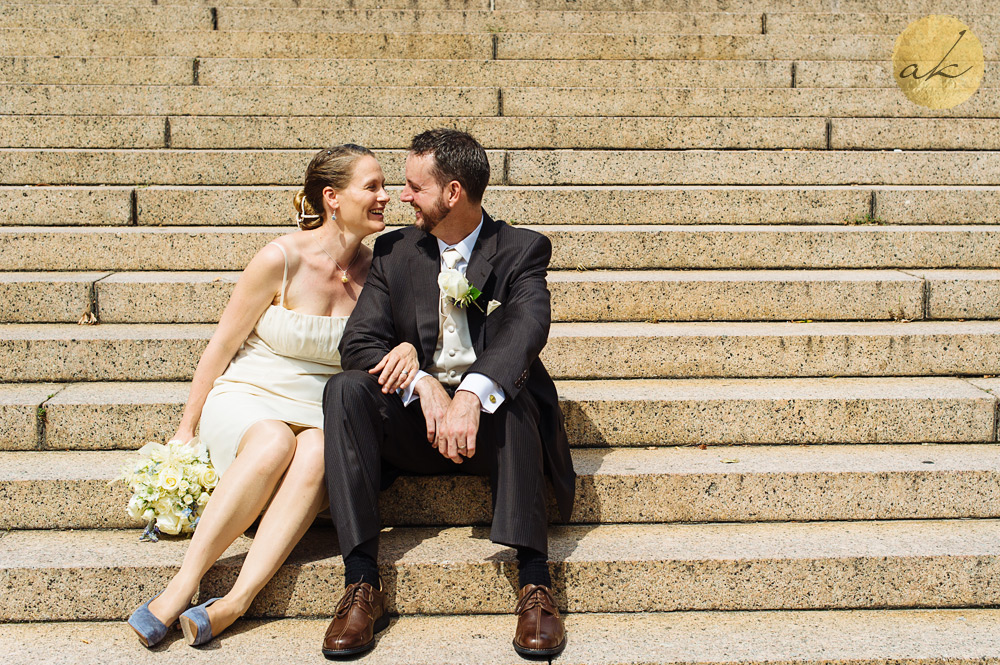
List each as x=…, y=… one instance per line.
x=361, y=205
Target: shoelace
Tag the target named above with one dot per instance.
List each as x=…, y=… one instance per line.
x=353, y=592
x=535, y=598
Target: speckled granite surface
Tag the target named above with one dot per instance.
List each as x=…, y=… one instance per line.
x=124, y=415
x=954, y=637
x=174, y=167
x=655, y=567
x=605, y=246
x=218, y=43
x=199, y=297
x=824, y=167
x=55, y=206
x=242, y=100
x=54, y=489
x=494, y=73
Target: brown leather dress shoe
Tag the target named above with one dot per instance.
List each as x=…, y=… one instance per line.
x=359, y=616
x=539, y=628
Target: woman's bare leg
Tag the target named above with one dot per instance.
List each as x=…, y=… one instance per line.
x=300, y=495
x=265, y=453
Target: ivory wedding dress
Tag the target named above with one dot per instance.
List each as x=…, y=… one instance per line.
x=278, y=374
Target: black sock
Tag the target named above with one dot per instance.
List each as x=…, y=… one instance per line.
x=532, y=567
x=361, y=565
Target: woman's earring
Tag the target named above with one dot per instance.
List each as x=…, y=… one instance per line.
x=333, y=215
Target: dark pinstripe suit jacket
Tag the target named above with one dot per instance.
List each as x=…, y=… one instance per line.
x=400, y=303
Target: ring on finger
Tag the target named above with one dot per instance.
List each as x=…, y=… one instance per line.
x=403, y=373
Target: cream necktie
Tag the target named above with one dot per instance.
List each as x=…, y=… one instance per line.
x=450, y=257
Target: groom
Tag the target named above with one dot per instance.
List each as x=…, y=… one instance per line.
x=482, y=402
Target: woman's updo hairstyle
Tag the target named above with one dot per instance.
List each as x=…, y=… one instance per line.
x=330, y=167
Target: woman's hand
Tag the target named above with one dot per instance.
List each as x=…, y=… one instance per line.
x=183, y=435
x=397, y=369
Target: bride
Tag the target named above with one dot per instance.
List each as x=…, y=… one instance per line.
x=258, y=388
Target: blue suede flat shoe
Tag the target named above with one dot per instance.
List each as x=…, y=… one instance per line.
x=195, y=624
x=145, y=624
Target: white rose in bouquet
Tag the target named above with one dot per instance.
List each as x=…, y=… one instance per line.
x=136, y=506
x=169, y=477
x=169, y=523
x=207, y=476
x=171, y=484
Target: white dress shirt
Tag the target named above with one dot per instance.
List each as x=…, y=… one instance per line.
x=490, y=394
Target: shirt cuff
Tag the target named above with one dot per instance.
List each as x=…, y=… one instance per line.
x=407, y=393
x=489, y=393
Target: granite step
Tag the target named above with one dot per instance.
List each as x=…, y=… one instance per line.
x=199, y=297
x=522, y=107
x=513, y=132
x=606, y=46
x=95, y=575
x=232, y=44
x=20, y=166
x=735, y=6
x=171, y=205
x=759, y=167
x=290, y=19
x=237, y=132
x=151, y=70
x=180, y=167
x=84, y=131
x=495, y=73
x=130, y=100
x=110, y=70
x=396, y=132
x=45, y=490
x=460, y=22
x=169, y=352
x=689, y=100
x=575, y=247
x=629, y=413
x=830, y=74
x=835, y=6
x=430, y=5
x=906, y=637
x=863, y=23
x=97, y=16
x=914, y=134
x=665, y=204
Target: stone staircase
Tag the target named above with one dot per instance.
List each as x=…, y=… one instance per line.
x=776, y=305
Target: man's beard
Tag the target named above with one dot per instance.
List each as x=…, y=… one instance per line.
x=431, y=218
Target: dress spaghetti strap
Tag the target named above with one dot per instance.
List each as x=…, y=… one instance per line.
x=284, y=275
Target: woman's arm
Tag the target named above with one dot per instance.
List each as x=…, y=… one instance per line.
x=254, y=292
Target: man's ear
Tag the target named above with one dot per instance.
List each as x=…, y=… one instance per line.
x=454, y=193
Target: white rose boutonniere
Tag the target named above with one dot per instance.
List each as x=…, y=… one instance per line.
x=454, y=285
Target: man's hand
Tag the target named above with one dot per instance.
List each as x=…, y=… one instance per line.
x=457, y=436
x=434, y=402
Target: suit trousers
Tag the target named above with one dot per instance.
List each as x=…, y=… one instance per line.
x=369, y=435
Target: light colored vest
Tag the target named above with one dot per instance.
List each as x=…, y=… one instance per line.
x=454, y=353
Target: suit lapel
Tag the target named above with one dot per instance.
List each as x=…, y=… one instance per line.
x=425, y=265
x=478, y=273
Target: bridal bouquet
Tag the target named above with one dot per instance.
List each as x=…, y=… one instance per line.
x=171, y=484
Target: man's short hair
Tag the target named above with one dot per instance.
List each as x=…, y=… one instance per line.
x=457, y=156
